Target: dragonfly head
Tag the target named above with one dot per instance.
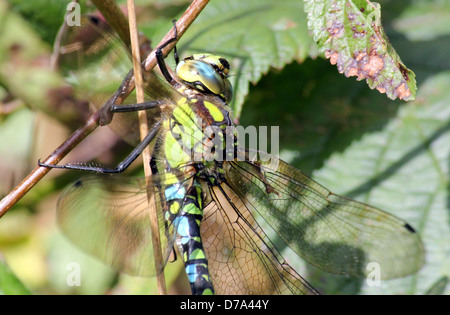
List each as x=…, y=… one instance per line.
x=206, y=73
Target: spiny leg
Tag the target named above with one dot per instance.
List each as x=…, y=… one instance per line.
x=122, y=166
x=136, y=107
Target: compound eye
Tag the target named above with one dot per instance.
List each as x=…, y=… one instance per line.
x=220, y=64
x=204, y=77
x=227, y=91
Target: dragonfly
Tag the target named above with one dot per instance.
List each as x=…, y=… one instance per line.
x=219, y=204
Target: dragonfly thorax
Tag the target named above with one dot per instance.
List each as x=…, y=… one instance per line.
x=206, y=73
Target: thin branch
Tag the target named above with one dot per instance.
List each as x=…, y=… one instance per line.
x=146, y=154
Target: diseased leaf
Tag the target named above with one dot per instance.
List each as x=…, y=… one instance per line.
x=350, y=34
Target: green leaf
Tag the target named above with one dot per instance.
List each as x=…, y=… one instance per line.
x=403, y=169
x=352, y=37
x=9, y=283
x=438, y=287
x=45, y=16
x=424, y=20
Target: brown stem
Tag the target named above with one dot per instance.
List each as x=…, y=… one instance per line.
x=146, y=154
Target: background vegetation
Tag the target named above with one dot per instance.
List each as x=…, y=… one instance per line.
x=354, y=140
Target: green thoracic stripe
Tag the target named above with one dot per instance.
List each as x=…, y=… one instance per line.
x=214, y=111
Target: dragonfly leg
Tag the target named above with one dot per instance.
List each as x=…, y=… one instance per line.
x=122, y=166
x=136, y=107
x=108, y=111
x=160, y=57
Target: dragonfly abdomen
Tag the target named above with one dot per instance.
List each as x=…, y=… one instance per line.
x=186, y=212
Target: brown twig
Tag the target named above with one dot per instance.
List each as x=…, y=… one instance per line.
x=146, y=154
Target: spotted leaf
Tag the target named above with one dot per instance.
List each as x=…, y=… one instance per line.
x=350, y=34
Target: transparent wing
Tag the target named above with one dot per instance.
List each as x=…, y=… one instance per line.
x=95, y=62
x=331, y=232
x=108, y=217
x=241, y=259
